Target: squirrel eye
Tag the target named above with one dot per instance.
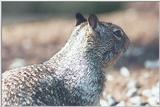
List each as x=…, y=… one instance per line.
x=117, y=33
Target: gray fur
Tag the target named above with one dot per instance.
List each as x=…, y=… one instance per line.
x=73, y=76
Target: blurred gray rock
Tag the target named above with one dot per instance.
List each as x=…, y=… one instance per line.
x=151, y=64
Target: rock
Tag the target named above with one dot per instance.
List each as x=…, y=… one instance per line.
x=144, y=104
x=131, y=92
x=18, y=62
x=136, y=100
x=152, y=94
x=152, y=101
x=146, y=93
x=158, y=84
x=114, y=104
x=111, y=100
x=125, y=72
x=104, y=94
x=109, y=77
x=122, y=104
x=158, y=95
x=132, y=84
x=151, y=64
x=103, y=102
x=154, y=91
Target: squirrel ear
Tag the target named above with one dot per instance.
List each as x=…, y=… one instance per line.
x=79, y=19
x=93, y=20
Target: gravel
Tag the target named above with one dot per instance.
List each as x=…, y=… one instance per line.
x=134, y=97
x=111, y=100
x=131, y=92
x=110, y=77
x=152, y=101
x=132, y=84
x=122, y=103
x=125, y=72
x=146, y=93
x=103, y=102
x=136, y=100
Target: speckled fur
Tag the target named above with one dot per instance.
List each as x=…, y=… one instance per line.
x=73, y=76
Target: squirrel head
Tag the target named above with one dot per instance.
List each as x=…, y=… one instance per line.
x=101, y=39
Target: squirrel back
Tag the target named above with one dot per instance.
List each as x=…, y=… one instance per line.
x=74, y=75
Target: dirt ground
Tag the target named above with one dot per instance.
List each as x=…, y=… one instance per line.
x=35, y=42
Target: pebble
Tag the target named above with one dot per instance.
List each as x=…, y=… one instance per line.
x=146, y=93
x=122, y=104
x=132, y=84
x=152, y=101
x=109, y=77
x=131, y=92
x=18, y=62
x=111, y=100
x=125, y=72
x=155, y=90
x=152, y=94
x=136, y=100
x=103, y=102
x=155, y=93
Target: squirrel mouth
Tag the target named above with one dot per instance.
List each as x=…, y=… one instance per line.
x=110, y=57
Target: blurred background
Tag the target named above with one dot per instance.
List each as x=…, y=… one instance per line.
x=24, y=11
x=32, y=32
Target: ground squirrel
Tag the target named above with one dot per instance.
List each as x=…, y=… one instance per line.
x=74, y=75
